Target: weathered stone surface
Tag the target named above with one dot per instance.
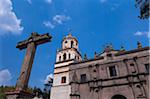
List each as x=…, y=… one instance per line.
x=131, y=80
x=31, y=44
x=18, y=95
x=22, y=83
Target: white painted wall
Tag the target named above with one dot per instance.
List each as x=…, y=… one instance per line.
x=57, y=79
x=63, y=64
x=72, y=53
x=61, y=92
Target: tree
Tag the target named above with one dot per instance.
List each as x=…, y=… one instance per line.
x=143, y=5
x=37, y=92
x=4, y=89
x=47, y=89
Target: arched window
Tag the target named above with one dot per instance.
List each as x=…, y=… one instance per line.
x=65, y=41
x=118, y=97
x=139, y=90
x=59, y=58
x=64, y=56
x=69, y=56
x=72, y=44
x=75, y=57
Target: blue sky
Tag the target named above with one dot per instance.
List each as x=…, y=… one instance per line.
x=93, y=22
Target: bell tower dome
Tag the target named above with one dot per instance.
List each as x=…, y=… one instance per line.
x=69, y=42
x=69, y=50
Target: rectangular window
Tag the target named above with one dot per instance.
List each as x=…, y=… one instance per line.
x=63, y=79
x=83, y=78
x=132, y=68
x=147, y=67
x=112, y=71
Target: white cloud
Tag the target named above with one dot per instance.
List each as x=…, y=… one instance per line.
x=103, y=1
x=29, y=1
x=48, y=79
x=60, y=18
x=138, y=33
x=114, y=6
x=48, y=24
x=5, y=77
x=9, y=23
x=49, y=1
x=56, y=20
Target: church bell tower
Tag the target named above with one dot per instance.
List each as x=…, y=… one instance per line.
x=69, y=50
x=68, y=54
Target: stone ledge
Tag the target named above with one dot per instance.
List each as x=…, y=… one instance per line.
x=17, y=94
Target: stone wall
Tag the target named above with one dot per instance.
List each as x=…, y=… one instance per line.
x=131, y=80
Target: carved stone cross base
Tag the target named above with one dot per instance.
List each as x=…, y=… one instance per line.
x=18, y=95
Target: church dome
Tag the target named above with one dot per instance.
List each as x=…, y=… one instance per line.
x=69, y=36
x=69, y=42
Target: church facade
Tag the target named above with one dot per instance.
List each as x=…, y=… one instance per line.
x=112, y=74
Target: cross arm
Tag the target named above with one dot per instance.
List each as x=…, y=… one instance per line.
x=37, y=39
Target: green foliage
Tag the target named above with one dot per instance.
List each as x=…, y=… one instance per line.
x=143, y=6
x=30, y=90
x=4, y=89
x=2, y=96
x=35, y=91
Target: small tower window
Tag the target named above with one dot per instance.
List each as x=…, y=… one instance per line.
x=59, y=58
x=64, y=56
x=71, y=44
x=65, y=41
x=63, y=79
x=94, y=70
x=69, y=56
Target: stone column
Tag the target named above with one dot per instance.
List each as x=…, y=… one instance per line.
x=23, y=79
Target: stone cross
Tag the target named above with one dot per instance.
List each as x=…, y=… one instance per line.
x=31, y=44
